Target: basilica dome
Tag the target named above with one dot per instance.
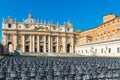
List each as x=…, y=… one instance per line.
x=30, y=19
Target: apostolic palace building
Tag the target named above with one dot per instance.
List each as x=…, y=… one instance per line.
x=37, y=36
x=103, y=40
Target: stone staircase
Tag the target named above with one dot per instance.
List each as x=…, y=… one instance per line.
x=51, y=54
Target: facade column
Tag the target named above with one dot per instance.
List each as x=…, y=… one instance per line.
x=57, y=45
x=5, y=44
x=30, y=44
x=51, y=41
x=49, y=44
x=33, y=39
x=72, y=45
x=64, y=44
x=15, y=41
x=44, y=44
x=38, y=44
x=23, y=43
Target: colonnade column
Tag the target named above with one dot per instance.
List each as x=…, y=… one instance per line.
x=44, y=44
x=38, y=44
x=49, y=44
x=33, y=43
x=23, y=43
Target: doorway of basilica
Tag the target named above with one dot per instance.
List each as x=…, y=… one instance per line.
x=68, y=48
x=10, y=47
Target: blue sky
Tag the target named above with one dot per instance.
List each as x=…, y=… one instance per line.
x=83, y=14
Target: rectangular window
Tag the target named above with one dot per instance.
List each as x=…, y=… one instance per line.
x=26, y=48
x=41, y=38
x=26, y=37
x=41, y=48
x=68, y=29
x=118, y=50
x=9, y=25
x=35, y=38
x=109, y=50
x=86, y=51
x=46, y=38
x=102, y=50
x=95, y=50
x=54, y=49
x=46, y=49
x=35, y=49
x=53, y=38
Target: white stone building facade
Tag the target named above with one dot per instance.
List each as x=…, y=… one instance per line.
x=37, y=36
x=100, y=48
x=103, y=40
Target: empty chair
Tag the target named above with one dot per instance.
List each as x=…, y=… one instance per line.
x=2, y=74
x=71, y=73
x=59, y=74
x=116, y=75
x=13, y=74
x=33, y=74
x=50, y=74
x=40, y=77
x=25, y=78
x=88, y=77
x=23, y=73
x=78, y=77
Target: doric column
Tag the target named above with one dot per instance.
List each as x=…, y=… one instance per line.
x=33, y=43
x=44, y=44
x=30, y=44
x=57, y=46
x=23, y=43
x=38, y=44
x=49, y=44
